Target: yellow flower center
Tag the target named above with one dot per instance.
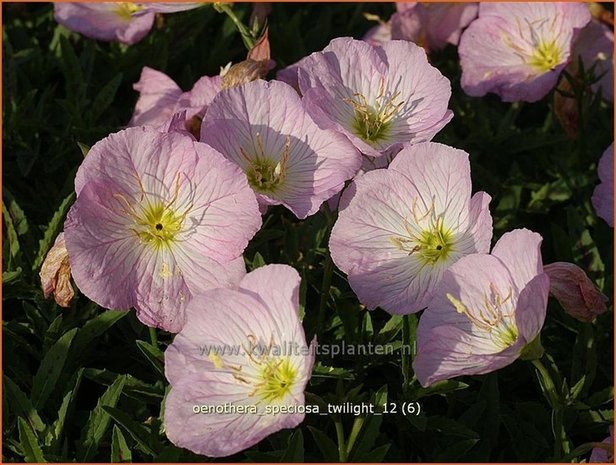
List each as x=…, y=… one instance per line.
x=277, y=378
x=265, y=174
x=159, y=225
x=372, y=122
x=492, y=317
x=546, y=56
x=430, y=245
x=126, y=10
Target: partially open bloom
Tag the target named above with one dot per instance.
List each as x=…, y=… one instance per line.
x=486, y=311
x=234, y=384
x=604, y=452
x=595, y=45
x=125, y=22
x=518, y=50
x=400, y=228
x=158, y=218
x=160, y=98
x=263, y=128
x=379, y=97
x=603, y=196
x=56, y=274
x=575, y=292
x=432, y=25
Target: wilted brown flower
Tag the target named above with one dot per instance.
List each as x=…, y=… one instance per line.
x=55, y=274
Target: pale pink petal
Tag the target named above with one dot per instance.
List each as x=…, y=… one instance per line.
x=158, y=95
x=522, y=266
x=603, y=196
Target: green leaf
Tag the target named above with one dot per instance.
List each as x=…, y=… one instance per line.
x=105, y=97
x=327, y=447
x=71, y=68
x=99, y=420
x=64, y=413
x=50, y=369
x=295, y=450
x=153, y=355
x=31, y=450
x=13, y=240
x=93, y=329
x=376, y=455
x=119, y=449
x=137, y=431
x=53, y=228
x=21, y=405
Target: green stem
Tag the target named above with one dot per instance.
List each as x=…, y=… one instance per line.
x=342, y=450
x=247, y=37
x=154, y=337
x=357, y=425
x=560, y=435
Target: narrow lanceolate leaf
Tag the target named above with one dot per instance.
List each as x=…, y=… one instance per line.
x=21, y=405
x=119, y=449
x=29, y=444
x=154, y=355
x=53, y=228
x=56, y=430
x=105, y=97
x=137, y=431
x=50, y=369
x=11, y=237
x=93, y=329
x=99, y=420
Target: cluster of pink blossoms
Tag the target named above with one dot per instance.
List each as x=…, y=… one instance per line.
x=165, y=209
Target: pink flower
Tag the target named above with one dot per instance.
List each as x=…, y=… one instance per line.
x=486, y=310
x=575, y=292
x=603, y=197
x=518, y=50
x=604, y=453
x=158, y=219
x=263, y=128
x=243, y=349
x=400, y=228
x=55, y=274
x=432, y=25
x=124, y=22
x=160, y=98
x=595, y=45
x=379, y=97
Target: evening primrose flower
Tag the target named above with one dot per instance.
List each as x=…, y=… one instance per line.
x=158, y=218
x=379, y=97
x=400, y=228
x=241, y=358
x=263, y=128
x=603, y=196
x=432, y=25
x=595, y=46
x=518, y=50
x=125, y=22
x=486, y=312
x=160, y=98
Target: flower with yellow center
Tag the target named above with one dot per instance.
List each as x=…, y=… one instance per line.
x=158, y=218
x=486, y=312
x=239, y=367
x=400, y=228
x=518, y=50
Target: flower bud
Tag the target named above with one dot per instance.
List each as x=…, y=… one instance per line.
x=55, y=274
x=575, y=292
